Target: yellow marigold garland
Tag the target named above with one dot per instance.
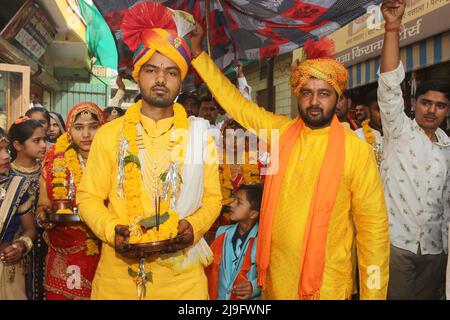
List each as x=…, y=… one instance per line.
x=372, y=140
x=132, y=170
x=250, y=175
x=226, y=185
x=368, y=134
x=167, y=230
x=66, y=158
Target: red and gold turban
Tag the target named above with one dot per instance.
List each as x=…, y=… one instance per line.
x=87, y=108
x=150, y=27
x=319, y=64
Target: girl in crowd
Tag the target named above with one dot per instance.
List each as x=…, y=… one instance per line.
x=41, y=115
x=28, y=140
x=17, y=227
x=57, y=127
x=73, y=250
x=238, y=166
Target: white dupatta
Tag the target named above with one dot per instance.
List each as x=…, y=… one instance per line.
x=190, y=197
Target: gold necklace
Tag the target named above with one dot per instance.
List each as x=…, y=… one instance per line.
x=17, y=167
x=159, y=135
x=82, y=162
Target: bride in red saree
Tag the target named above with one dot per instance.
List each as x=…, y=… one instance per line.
x=73, y=250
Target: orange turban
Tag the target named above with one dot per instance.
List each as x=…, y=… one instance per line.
x=319, y=64
x=150, y=27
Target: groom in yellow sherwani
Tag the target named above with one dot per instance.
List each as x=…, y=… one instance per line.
x=325, y=200
x=127, y=159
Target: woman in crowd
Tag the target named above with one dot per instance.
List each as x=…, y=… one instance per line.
x=73, y=251
x=41, y=115
x=28, y=140
x=17, y=227
x=57, y=127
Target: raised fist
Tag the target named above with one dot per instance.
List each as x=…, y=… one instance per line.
x=393, y=11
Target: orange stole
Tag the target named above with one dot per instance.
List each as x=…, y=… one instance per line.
x=212, y=272
x=325, y=191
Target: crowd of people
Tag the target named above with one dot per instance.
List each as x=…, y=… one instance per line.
x=332, y=208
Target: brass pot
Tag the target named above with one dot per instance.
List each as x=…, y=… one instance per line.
x=62, y=204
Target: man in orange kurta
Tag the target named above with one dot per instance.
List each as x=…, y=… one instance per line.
x=325, y=200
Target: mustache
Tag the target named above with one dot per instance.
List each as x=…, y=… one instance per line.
x=314, y=107
x=158, y=86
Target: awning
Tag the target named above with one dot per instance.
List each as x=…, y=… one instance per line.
x=416, y=56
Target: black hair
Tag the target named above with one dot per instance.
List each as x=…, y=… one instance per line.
x=38, y=109
x=182, y=97
x=372, y=96
x=346, y=93
x=188, y=95
x=2, y=133
x=433, y=85
x=207, y=98
x=138, y=97
x=254, y=194
x=21, y=132
x=108, y=111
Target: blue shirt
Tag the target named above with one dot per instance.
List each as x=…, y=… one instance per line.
x=233, y=256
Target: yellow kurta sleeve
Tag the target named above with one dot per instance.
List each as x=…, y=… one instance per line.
x=203, y=219
x=372, y=226
x=95, y=186
x=244, y=111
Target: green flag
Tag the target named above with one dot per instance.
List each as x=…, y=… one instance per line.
x=99, y=38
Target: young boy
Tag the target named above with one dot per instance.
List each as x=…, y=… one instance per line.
x=233, y=274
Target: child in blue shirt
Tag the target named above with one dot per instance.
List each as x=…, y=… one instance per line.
x=233, y=274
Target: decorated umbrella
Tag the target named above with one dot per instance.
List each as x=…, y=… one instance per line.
x=246, y=29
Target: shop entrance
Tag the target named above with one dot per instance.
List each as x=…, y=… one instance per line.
x=14, y=92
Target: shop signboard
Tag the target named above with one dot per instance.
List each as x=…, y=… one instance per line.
x=362, y=39
x=30, y=30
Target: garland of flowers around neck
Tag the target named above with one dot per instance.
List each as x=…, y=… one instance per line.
x=132, y=178
x=368, y=134
x=250, y=175
x=132, y=167
x=370, y=138
x=226, y=185
x=66, y=158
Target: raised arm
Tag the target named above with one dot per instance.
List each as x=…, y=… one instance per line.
x=390, y=98
x=244, y=111
x=243, y=85
x=393, y=11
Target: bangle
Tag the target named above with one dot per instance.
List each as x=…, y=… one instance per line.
x=27, y=242
x=393, y=26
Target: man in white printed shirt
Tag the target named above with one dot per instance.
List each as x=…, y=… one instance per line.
x=415, y=173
